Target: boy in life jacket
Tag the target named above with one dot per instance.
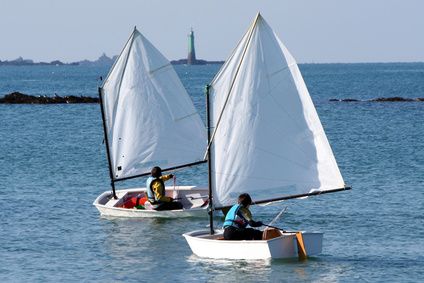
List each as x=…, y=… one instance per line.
x=156, y=191
x=237, y=219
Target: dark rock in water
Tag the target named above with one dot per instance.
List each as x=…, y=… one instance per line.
x=350, y=100
x=391, y=99
x=344, y=100
x=380, y=99
x=20, y=98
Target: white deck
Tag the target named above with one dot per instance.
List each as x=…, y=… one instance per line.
x=203, y=244
x=192, y=198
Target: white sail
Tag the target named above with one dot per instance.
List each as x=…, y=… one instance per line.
x=150, y=119
x=267, y=139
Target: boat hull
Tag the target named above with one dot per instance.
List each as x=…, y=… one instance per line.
x=192, y=198
x=285, y=246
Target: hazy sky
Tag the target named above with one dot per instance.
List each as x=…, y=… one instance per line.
x=313, y=30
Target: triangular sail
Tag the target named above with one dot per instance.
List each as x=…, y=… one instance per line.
x=267, y=138
x=150, y=120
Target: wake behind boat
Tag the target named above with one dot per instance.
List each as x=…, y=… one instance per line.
x=265, y=138
x=148, y=120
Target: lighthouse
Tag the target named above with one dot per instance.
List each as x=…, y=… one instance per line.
x=191, y=57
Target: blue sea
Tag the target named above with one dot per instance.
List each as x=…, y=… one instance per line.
x=53, y=165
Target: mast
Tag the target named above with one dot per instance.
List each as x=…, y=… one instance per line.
x=112, y=182
x=210, y=208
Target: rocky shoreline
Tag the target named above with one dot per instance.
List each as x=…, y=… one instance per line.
x=380, y=99
x=20, y=98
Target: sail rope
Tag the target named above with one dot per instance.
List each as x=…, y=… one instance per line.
x=278, y=216
x=175, y=193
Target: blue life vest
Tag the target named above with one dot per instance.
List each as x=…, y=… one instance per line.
x=233, y=218
x=150, y=194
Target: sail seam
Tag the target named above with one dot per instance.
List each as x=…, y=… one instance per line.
x=122, y=75
x=159, y=68
x=186, y=116
x=232, y=85
x=117, y=59
x=282, y=69
x=263, y=178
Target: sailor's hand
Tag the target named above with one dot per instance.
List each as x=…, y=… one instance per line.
x=171, y=199
x=171, y=175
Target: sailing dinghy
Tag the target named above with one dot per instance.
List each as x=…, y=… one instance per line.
x=265, y=139
x=148, y=120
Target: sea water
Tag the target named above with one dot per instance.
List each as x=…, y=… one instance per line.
x=53, y=165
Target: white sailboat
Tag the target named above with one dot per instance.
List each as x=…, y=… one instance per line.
x=265, y=139
x=149, y=120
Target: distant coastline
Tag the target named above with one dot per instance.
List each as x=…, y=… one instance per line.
x=103, y=60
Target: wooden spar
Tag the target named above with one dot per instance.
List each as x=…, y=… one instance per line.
x=163, y=170
x=292, y=197
x=208, y=123
x=112, y=182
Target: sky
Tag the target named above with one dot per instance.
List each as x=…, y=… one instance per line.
x=315, y=31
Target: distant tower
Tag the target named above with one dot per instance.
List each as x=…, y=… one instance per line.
x=191, y=58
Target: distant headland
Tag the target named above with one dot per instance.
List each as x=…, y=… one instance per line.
x=104, y=60
x=101, y=61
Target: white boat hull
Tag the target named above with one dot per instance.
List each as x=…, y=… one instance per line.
x=192, y=198
x=211, y=246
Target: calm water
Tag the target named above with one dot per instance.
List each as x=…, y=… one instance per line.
x=53, y=165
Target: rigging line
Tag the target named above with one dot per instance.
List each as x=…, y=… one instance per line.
x=278, y=216
x=232, y=84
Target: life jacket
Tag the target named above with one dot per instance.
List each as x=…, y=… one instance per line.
x=234, y=219
x=150, y=194
x=139, y=200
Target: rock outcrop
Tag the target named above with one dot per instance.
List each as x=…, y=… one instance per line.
x=20, y=98
x=380, y=99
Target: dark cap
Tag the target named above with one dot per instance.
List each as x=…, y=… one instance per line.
x=245, y=199
x=156, y=172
